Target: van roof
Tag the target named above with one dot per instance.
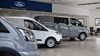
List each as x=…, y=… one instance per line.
x=15, y=17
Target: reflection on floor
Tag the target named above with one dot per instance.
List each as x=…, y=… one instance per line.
x=89, y=47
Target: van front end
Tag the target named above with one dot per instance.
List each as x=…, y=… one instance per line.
x=57, y=35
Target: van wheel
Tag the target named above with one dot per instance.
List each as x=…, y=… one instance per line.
x=50, y=43
x=82, y=37
x=6, y=54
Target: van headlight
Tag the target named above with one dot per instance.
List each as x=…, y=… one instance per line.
x=29, y=36
x=57, y=32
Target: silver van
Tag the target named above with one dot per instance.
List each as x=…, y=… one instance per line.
x=15, y=41
x=69, y=27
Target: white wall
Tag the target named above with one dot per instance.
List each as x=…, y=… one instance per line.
x=70, y=10
x=94, y=14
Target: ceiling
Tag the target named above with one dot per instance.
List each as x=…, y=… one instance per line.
x=86, y=4
x=14, y=12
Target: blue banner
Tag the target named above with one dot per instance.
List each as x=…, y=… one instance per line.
x=26, y=5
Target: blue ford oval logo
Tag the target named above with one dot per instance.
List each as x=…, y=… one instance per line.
x=19, y=4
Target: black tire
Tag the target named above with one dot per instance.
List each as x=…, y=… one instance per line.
x=6, y=54
x=50, y=43
x=82, y=37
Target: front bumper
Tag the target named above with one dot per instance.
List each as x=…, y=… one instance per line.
x=59, y=42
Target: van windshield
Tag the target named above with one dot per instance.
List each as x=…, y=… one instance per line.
x=33, y=25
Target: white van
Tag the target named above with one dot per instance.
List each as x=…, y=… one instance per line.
x=43, y=35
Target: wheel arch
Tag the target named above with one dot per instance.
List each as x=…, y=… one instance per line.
x=10, y=50
x=83, y=33
x=49, y=38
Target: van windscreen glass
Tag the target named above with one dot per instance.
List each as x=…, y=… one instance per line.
x=33, y=25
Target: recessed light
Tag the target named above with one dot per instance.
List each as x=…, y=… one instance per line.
x=24, y=10
x=55, y=0
x=42, y=14
x=28, y=13
x=9, y=11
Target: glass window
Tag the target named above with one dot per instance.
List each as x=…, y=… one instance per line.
x=3, y=28
x=60, y=20
x=62, y=25
x=75, y=22
x=33, y=26
x=82, y=21
x=49, y=25
x=29, y=25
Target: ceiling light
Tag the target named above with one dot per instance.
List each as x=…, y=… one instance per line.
x=28, y=13
x=55, y=0
x=9, y=12
x=24, y=10
x=42, y=14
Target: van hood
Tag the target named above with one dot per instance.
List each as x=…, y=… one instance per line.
x=51, y=30
x=54, y=31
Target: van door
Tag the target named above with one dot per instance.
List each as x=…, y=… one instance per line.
x=37, y=29
x=74, y=27
x=62, y=24
x=64, y=29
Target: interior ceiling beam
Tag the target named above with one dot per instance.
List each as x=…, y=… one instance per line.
x=92, y=3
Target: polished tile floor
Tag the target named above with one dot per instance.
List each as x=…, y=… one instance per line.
x=89, y=47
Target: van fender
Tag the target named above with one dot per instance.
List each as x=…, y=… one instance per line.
x=49, y=38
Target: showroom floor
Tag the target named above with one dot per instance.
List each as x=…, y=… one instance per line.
x=89, y=47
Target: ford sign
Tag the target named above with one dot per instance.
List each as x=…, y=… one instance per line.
x=19, y=4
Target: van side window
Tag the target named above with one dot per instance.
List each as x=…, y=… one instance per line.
x=61, y=20
x=3, y=28
x=33, y=26
x=75, y=22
